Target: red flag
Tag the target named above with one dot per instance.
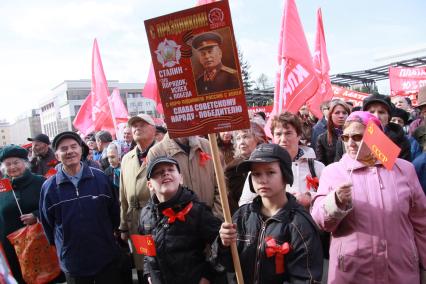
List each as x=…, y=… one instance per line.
x=83, y=120
x=150, y=90
x=101, y=111
x=5, y=185
x=380, y=145
x=322, y=67
x=296, y=81
x=144, y=244
x=118, y=108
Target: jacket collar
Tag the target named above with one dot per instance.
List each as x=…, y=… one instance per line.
x=173, y=148
x=62, y=178
x=350, y=163
x=284, y=213
x=22, y=181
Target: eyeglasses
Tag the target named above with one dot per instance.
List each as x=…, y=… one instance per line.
x=355, y=137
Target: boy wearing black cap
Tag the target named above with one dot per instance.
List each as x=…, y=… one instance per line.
x=277, y=240
x=180, y=226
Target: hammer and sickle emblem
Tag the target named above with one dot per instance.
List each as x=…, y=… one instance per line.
x=370, y=129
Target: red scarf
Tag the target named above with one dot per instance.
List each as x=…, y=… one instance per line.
x=272, y=248
x=180, y=215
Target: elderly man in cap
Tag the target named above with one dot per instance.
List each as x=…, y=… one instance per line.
x=103, y=139
x=216, y=77
x=134, y=193
x=43, y=157
x=79, y=211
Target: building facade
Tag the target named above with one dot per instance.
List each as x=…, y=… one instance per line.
x=4, y=133
x=60, y=107
x=26, y=125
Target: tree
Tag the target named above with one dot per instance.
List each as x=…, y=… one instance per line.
x=263, y=82
x=245, y=73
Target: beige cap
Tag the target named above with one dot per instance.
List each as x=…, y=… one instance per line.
x=141, y=117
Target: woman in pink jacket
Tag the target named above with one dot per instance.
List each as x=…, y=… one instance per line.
x=377, y=217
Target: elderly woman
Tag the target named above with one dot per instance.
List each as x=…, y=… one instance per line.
x=26, y=187
x=377, y=217
x=245, y=141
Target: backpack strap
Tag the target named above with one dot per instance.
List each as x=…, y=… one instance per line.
x=311, y=164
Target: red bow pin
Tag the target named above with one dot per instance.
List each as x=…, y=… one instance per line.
x=204, y=157
x=50, y=172
x=272, y=248
x=312, y=183
x=52, y=163
x=180, y=215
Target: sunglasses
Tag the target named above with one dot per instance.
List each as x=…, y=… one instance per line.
x=355, y=137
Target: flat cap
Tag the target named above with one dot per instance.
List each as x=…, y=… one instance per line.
x=141, y=117
x=40, y=138
x=159, y=160
x=66, y=134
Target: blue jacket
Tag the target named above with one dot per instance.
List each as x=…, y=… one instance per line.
x=420, y=166
x=80, y=221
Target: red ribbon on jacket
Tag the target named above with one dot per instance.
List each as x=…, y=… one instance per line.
x=204, y=157
x=272, y=248
x=180, y=215
x=312, y=183
x=52, y=163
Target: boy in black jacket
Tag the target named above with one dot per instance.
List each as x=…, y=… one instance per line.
x=180, y=226
x=277, y=239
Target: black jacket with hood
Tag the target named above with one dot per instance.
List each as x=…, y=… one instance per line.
x=180, y=246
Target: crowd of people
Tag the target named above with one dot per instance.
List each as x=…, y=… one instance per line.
x=311, y=204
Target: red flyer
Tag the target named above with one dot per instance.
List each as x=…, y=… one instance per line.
x=197, y=70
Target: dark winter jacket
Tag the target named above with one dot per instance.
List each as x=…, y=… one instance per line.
x=326, y=153
x=179, y=245
x=420, y=166
x=234, y=183
x=80, y=221
x=319, y=128
x=41, y=164
x=396, y=134
x=292, y=224
x=27, y=190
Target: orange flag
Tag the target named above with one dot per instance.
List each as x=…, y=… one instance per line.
x=5, y=185
x=144, y=244
x=380, y=145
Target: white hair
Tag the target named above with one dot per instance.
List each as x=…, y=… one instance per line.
x=114, y=146
x=4, y=170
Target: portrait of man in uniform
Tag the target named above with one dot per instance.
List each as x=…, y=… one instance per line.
x=215, y=76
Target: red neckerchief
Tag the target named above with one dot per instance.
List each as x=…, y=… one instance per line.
x=312, y=183
x=180, y=215
x=272, y=248
x=204, y=157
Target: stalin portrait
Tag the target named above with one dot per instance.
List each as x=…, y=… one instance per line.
x=215, y=76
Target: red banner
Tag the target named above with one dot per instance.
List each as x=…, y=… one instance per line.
x=197, y=70
x=380, y=145
x=5, y=185
x=144, y=244
x=266, y=109
x=348, y=95
x=405, y=80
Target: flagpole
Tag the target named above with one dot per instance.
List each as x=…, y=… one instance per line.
x=112, y=115
x=17, y=203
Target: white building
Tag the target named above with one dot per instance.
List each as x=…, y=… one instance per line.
x=4, y=133
x=60, y=107
x=26, y=125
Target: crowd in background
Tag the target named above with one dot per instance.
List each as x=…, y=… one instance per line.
x=92, y=193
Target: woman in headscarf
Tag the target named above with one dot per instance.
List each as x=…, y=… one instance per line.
x=377, y=217
x=26, y=188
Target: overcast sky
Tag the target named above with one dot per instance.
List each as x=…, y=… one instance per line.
x=45, y=42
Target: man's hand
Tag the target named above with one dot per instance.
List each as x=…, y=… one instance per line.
x=228, y=234
x=28, y=219
x=344, y=195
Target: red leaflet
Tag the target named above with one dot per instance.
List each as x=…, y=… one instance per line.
x=144, y=244
x=5, y=185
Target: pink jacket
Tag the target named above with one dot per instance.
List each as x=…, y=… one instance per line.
x=381, y=236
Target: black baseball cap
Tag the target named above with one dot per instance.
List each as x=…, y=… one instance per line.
x=40, y=138
x=66, y=134
x=159, y=160
x=266, y=153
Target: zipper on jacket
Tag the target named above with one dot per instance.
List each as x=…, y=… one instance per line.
x=380, y=180
x=76, y=191
x=258, y=251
